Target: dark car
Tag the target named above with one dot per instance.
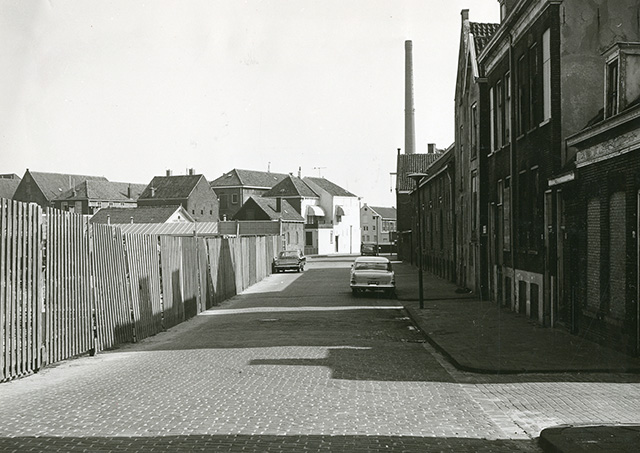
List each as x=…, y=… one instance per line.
x=289, y=259
x=369, y=249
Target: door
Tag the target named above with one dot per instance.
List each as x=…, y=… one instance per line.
x=549, y=302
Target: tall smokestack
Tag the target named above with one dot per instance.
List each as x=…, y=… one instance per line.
x=409, y=123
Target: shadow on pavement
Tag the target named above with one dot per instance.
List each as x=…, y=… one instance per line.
x=262, y=443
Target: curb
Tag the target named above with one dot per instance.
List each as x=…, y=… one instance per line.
x=417, y=321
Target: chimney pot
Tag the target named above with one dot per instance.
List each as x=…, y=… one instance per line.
x=169, y=172
x=431, y=148
x=192, y=171
x=153, y=192
x=278, y=204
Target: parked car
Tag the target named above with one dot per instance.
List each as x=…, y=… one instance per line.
x=289, y=259
x=368, y=249
x=372, y=273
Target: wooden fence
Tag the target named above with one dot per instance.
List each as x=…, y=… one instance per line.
x=68, y=287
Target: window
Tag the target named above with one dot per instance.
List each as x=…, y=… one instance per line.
x=546, y=75
x=474, y=130
x=522, y=108
x=612, y=88
x=507, y=109
x=474, y=201
x=492, y=120
x=234, y=198
x=499, y=114
x=506, y=212
x=534, y=105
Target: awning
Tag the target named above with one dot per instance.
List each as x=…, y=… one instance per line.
x=339, y=211
x=315, y=211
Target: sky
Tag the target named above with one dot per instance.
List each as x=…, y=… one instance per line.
x=127, y=89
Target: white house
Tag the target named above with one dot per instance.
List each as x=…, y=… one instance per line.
x=331, y=213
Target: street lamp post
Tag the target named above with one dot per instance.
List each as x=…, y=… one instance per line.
x=417, y=177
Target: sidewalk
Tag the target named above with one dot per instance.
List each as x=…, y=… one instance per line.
x=479, y=336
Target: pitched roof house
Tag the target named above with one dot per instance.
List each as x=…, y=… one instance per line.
x=236, y=186
x=91, y=195
x=8, y=185
x=43, y=188
x=192, y=191
x=142, y=214
x=258, y=208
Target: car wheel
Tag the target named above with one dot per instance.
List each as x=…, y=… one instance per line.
x=355, y=291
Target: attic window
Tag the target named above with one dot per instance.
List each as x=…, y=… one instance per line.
x=612, y=82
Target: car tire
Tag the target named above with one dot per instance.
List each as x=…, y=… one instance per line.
x=355, y=291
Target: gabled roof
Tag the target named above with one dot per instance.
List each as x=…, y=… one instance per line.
x=248, y=178
x=482, y=33
x=412, y=163
x=441, y=162
x=385, y=213
x=103, y=191
x=171, y=187
x=53, y=185
x=141, y=214
x=268, y=206
x=8, y=187
x=291, y=186
x=333, y=189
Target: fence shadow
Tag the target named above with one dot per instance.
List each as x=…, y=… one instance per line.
x=262, y=443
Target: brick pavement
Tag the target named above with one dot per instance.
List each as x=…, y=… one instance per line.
x=267, y=371
x=559, y=379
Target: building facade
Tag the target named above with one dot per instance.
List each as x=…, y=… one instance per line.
x=191, y=191
x=236, y=186
x=542, y=67
x=379, y=226
x=471, y=145
x=601, y=210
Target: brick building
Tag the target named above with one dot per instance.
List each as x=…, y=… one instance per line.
x=437, y=216
x=543, y=67
x=191, y=191
x=406, y=207
x=236, y=186
x=472, y=142
x=602, y=208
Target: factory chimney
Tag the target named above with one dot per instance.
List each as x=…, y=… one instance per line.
x=409, y=123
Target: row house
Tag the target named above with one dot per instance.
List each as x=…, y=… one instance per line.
x=406, y=164
x=471, y=148
x=600, y=211
x=435, y=216
x=530, y=233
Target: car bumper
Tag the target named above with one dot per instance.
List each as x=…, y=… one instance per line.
x=284, y=267
x=365, y=286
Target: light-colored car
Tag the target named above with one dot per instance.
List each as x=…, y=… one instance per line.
x=372, y=273
x=288, y=260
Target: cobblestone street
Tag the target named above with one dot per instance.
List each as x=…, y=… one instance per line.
x=297, y=364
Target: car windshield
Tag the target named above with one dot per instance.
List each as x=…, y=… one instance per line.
x=292, y=254
x=371, y=266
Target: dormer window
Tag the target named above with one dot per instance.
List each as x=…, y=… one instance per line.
x=503, y=11
x=612, y=83
x=621, y=69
